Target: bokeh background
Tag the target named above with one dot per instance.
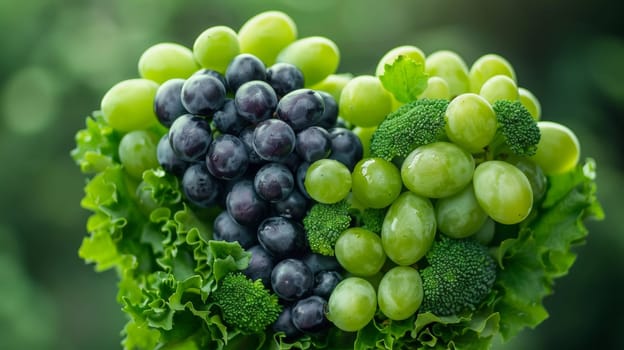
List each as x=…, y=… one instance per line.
x=58, y=57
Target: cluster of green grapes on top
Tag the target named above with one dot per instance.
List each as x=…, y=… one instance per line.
x=362, y=202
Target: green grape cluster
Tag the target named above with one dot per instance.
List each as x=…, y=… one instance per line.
x=477, y=164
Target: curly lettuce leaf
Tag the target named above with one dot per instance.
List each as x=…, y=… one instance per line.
x=96, y=145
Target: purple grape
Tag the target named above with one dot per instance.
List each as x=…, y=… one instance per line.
x=281, y=237
x=300, y=178
x=255, y=101
x=346, y=147
x=284, y=78
x=243, y=68
x=214, y=74
x=227, y=157
x=300, y=108
x=319, y=262
x=227, y=120
x=293, y=207
x=325, y=282
x=190, y=137
x=313, y=143
x=285, y=324
x=199, y=187
x=291, y=279
x=260, y=265
x=246, y=135
x=168, y=101
x=330, y=113
x=308, y=314
x=168, y=159
x=273, y=140
x=203, y=94
x=244, y=204
x=227, y=229
x=274, y=182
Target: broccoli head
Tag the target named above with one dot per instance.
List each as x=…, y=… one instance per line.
x=372, y=219
x=246, y=304
x=517, y=130
x=460, y=275
x=415, y=124
x=323, y=225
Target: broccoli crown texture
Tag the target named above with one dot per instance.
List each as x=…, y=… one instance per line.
x=372, y=219
x=415, y=124
x=460, y=275
x=516, y=128
x=246, y=304
x=323, y=225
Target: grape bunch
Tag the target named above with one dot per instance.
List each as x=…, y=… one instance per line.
x=303, y=208
x=249, y=154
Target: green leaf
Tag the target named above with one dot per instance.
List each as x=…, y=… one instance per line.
x=227, y=257
x=96, y=145
x=139, y=336
x=405, y=79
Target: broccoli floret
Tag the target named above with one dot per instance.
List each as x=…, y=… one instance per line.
x=415, y=124
x=323, y=225
x=246, y=304
x=372, y=219
x=460, y=275
x=517, y=131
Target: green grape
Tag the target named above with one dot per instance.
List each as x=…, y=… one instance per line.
x=266, y=34
x=137, y=152
x=328, y=181
x=485, y=235
x=365, y=135
x=530, y=102
x=400, y=293
x=165, y=61
x=503, y=191
x=470, y=122
x=451, y=67
x=486, y=67
x=408, y=229
x=558, y=150
x=352, y=304
x=333, y=85
x=499, y=87
x=436, y=88
x=364, y=101
x=215, y=47
x=376, y=182
x=459, y=215
x=316, y=56
x=129, y=105
x=406, y=50
x=437, y=170
x=359, y=251
x=536, y=177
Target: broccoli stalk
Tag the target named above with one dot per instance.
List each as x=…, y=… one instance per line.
x=460, y=275
x=415, y=124
x=323, y=225
x=246, y=304
x=517, y=133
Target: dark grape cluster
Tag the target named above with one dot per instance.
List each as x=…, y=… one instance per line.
x=243, y=141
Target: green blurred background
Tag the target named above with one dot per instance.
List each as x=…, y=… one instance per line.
x=59, y=57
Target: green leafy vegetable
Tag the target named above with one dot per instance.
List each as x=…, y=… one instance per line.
x=404, y=78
